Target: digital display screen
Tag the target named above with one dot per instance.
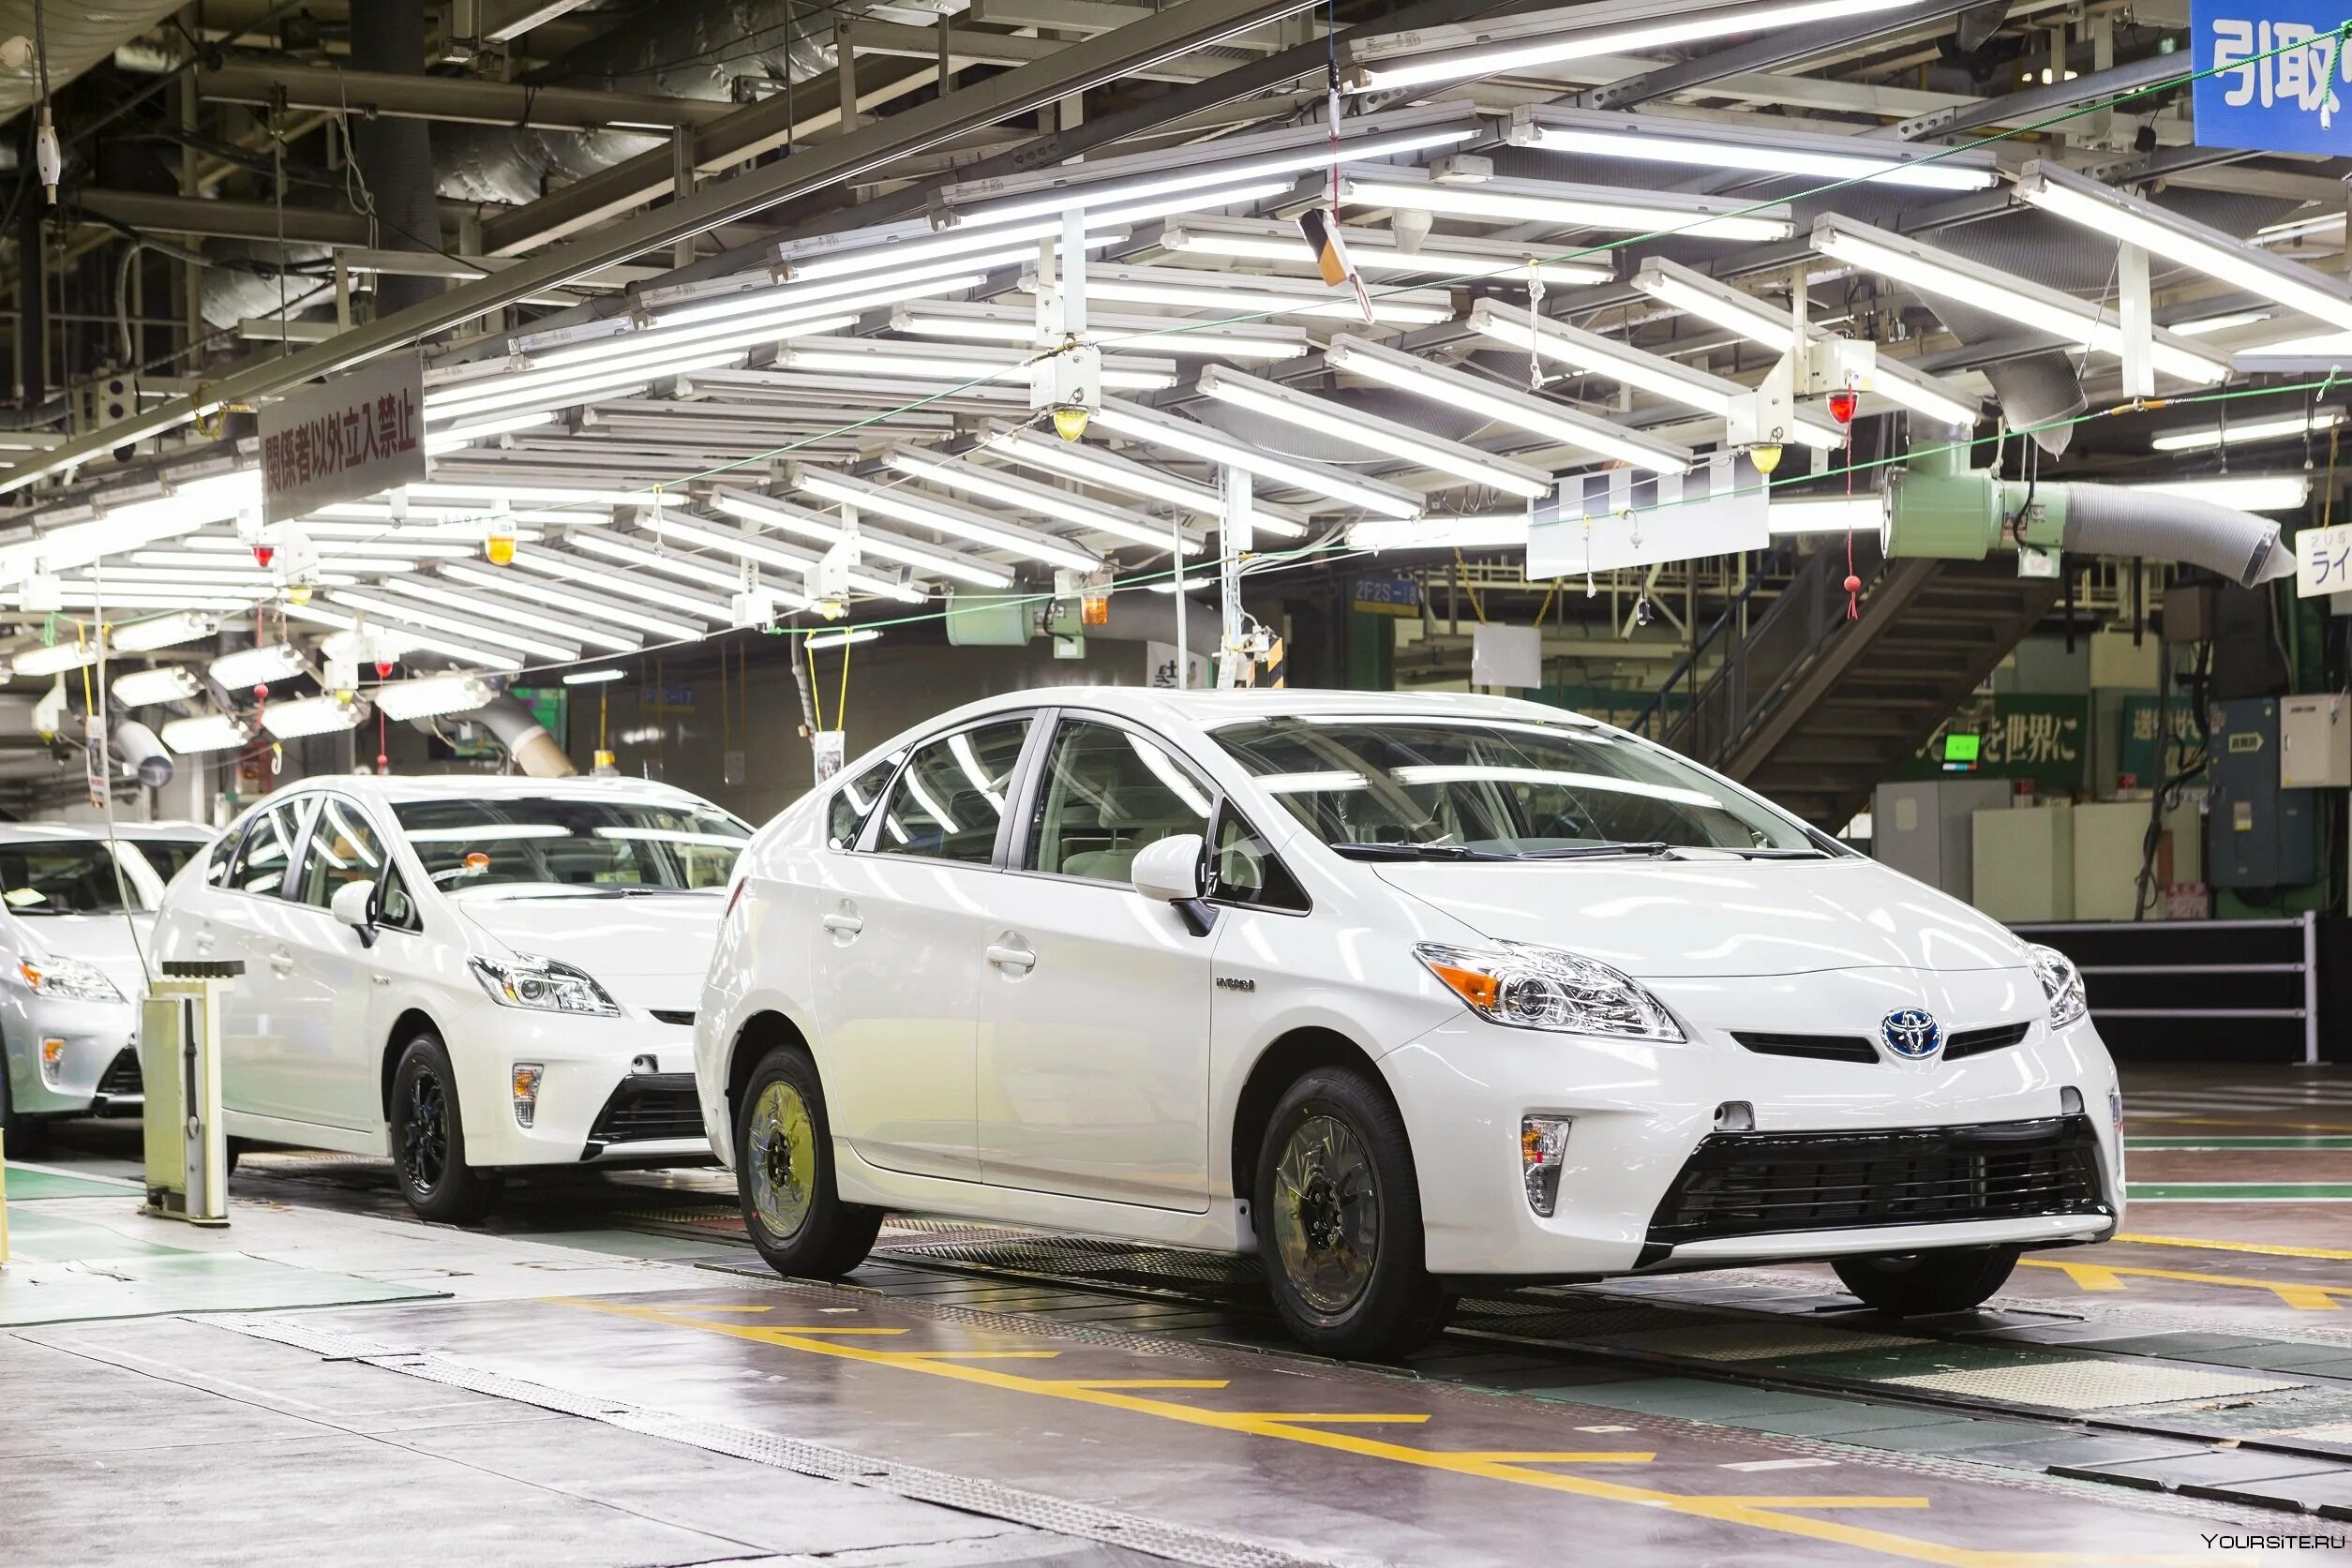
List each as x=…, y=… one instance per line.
x=1961, y=748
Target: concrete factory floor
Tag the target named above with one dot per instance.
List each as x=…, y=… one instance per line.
x=607, y=1374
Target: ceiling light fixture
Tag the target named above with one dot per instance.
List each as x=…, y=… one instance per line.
x=1158, y=334
x=1620, y=209
x=257, y=666
x=428, y=696
x=745, y=546
x=932, y=560
x=1108, y=470
x=1384, y=436
x=957, y=363
x=163, y=630
x=1375, y=250
x=1186, y=289
x=149, y=687
x=2205, y=438
x=207, y=732
x=1156, y=429
x=1727, y=144
x=943, y=516
x=1027, y=496
x=323, y=715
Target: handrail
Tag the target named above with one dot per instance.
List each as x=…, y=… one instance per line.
x=1714, y=629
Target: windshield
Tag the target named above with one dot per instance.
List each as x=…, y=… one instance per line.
x=166, y=856
x=1460, y=787
x=68, y=876
x=595, y=846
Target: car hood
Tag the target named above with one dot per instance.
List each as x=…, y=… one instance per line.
x=1660, y=919
x=650, y=950
x=105, y=940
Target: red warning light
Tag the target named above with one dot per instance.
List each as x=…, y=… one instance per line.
x=1841, y=406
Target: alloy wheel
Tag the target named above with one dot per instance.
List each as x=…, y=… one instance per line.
x=782, y=1160
x=1326, y=1214
x=425, y=1136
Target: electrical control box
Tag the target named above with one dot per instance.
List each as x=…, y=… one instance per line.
x=1924, y=829
x=2316, y=741
x=2256, y=834
x=2023, y=861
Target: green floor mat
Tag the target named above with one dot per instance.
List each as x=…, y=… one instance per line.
x=30, y=1185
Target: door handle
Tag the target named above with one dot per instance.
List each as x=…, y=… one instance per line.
x=1005, y=956
x=203, y=941
x=380, y=979
x=283, y=961
x=844, y=925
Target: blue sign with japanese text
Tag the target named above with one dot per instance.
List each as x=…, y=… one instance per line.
x=2272, y=75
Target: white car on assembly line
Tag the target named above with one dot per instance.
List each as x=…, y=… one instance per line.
x=469, y=974
x=1401, y=991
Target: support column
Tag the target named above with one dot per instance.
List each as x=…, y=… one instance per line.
x=396, y=156
x=2136, y=310
x=32, y=286
x=1236, y=538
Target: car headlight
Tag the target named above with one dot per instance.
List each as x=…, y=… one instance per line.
x=543, y=985
x=1530, y=987
x=69, y=978
x=2061, y=982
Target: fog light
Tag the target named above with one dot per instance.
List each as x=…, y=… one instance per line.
x=53, y=1060
x=1543, y=1143
x=2115, y=1110
x=2070, y=1102
x=1735, y=1116
x=526, y=1088
x=646, y=1063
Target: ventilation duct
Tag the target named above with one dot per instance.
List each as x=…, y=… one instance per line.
x=533, y=748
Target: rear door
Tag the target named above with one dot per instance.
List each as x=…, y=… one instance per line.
x=901, y=933
x=326, y=995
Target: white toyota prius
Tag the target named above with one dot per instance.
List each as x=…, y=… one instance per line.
x=469, y=974
x=1401, y=992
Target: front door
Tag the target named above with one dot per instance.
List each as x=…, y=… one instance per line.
x=326, y=997
x=247, y=915
x=897, y=939
x=1094, y=1022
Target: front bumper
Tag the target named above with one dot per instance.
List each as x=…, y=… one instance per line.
x=602, y=1097
x=1645, y=1121
x=87, y=1078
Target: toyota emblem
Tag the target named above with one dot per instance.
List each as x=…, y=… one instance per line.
x=1911, y=1032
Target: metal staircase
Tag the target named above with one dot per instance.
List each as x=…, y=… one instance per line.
x=1813, y=710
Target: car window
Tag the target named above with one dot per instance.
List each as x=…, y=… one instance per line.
x=951, y=795
x=854, y=801
x=1106, y=793
x=263, y=858
x=573, y=842
x=1246, y=871
x=63, y=876
x=167, y=855
x=223, y=856
x=344, y=847
x=393, y=907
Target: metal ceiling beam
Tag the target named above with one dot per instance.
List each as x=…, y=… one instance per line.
x=1771, y=51
x=465, y=100
x=505, y=19
x=968, y=46
x=152, y=213
x=864, y=152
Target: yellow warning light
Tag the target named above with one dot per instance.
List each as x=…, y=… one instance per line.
x=500, y=548
x=1765, y=455
x=1070, y=422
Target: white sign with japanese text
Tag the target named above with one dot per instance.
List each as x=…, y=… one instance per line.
x=344, y=438
x=1614, y=517
x=2267, y=75
x=2323, y=560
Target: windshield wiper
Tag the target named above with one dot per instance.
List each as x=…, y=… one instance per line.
x=1653, y=850
x=1413, y=852
x=1769, y=854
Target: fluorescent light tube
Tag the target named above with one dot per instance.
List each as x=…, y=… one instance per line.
x=2251, y=492
x=1724, y=144
x=629, y=552
x=1026, y=495
x=593, y=677
x=1989, y=289
x=819, y=641
x=1656, y=374
x=935, y=560
x=748, y=328
x=456, y=625
x=500, y=579
x=163, y=630
x=2206, y=438
x=2114, y=215
x=522, y=608
x=1616, y=208
x=1504, y=405
x=410, y=637
x=1193, y=440
x=149, y=687
x=1157, y=335
x=466, y=432
x=257, y=666
x=697, y=534
x=1375, y=250
x=55, y=659
x=428, y=695
x=1144, y=184
x=2202, y=326
x=812, y=260
x=207, y=732
x=1381, y=436
x=942, y=516
x=601, y=575
x=1694, y=293
x=1862, y=514
x=1106, y=470
x=1183, y=289
x=956, y=363
x=1386, y=62
x=303, y=716
x=1486, y=531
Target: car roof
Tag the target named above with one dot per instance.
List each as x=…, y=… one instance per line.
x=491, y=787
x=94, y=832
x=1211, y=709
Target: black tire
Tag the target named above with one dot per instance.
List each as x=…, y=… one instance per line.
x=428, y=1139
x=1917, y=1284
x=1344, y=1252
x=784, y=1173
x=230, y=1148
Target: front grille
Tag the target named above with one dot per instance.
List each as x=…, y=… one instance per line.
x=1758, y=1183
x=646, y=1106
x=121, y=1077
x=672, y=1015
x=1819, y=1048
x=1975, y=1042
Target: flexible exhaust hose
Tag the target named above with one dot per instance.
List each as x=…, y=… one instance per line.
x=2105, y=519
x=533, y=748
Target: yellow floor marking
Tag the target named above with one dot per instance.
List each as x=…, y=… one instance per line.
x=827, y=1328
x=1723, y=1510
x=726, y=1309
x=2105, y=1277
x=1505, y=1456
x=1287, y=1416
x=1141, y=1382
x=964, y=1355
x=2275, y=1249
x=1829, y=1502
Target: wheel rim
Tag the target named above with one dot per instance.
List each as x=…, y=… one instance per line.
x=425, y=1132
x=780, y=1157
x=1326, y=1214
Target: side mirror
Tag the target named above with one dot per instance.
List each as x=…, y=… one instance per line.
x=353, y=905
x=1169, y=869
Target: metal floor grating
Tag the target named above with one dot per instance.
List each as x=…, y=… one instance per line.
x=1753, y=1341
x=2091, y=1385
